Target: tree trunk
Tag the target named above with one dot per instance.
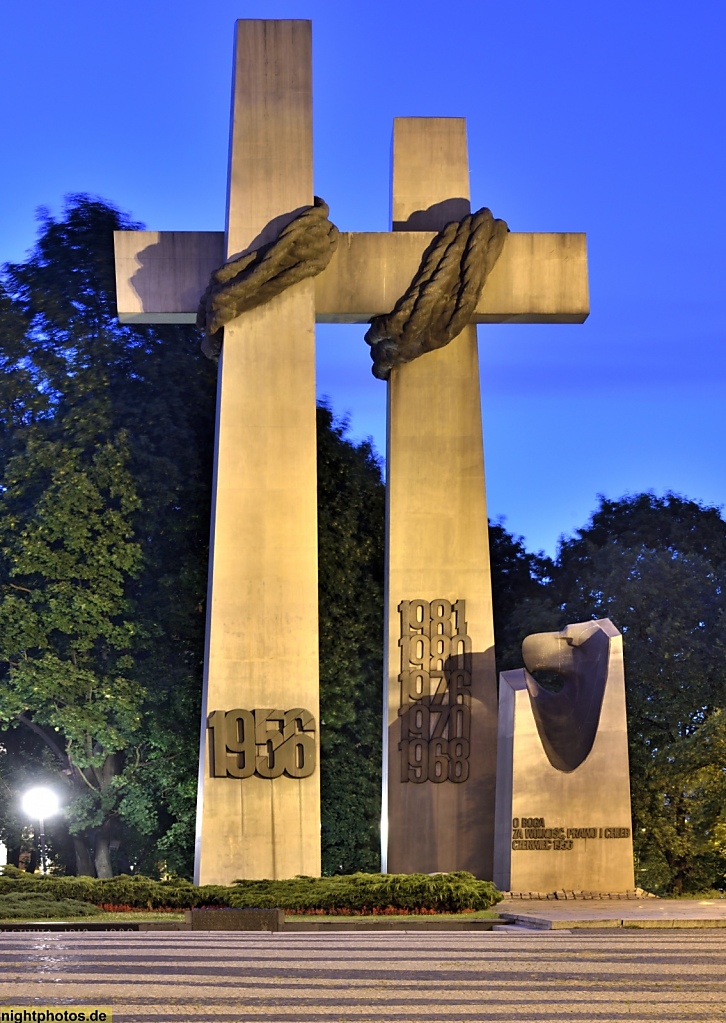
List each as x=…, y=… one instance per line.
x=84, y=863
x=123, y=865
x=102, y=843
x=102, y=854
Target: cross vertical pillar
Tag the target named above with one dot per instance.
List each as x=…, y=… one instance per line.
x=439, y=791
x=262, y=628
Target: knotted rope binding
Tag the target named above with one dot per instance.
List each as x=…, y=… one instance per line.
x=303, y=249
x=442, y=297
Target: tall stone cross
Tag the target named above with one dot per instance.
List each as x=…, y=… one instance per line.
x=259, y=793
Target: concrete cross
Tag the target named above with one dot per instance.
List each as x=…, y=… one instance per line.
x=254, y=818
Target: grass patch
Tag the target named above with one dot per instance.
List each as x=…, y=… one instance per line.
x=713, y=894
x=74, y=918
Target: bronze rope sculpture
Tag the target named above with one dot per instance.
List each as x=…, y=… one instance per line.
x=303, y=249
x=437, y=305
x=442, y=297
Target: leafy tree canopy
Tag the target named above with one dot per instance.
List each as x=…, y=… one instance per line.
x=351, y=518
x=656, y=566
x=105, y=486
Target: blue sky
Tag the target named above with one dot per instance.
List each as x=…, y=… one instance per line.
x=582, y=116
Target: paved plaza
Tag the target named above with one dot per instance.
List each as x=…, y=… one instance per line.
x=356, y=978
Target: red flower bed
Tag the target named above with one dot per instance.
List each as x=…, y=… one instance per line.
x=376, y=911
x=112, y=907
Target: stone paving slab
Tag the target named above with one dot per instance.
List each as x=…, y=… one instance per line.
x=391, y=923
x=533, y=977
x=604, y=913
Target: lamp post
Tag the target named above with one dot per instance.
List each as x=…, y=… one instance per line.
x=40, y=803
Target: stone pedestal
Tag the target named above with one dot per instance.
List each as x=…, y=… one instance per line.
x=439, y=662
x=560, y=823
x=222, y=919
x=259, y=783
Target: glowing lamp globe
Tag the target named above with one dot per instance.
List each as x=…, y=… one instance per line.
x=40, y=803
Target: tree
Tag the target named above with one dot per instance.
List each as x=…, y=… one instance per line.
x=522, y=599
x=351, y=522
x=107, y=446
x=671, y=522
x=657, y=568
x=65, y=629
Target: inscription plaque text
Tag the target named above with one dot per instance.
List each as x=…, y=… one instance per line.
x=435, y=681
x=268, y=743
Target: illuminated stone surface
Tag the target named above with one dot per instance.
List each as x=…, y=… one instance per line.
x=262, y=599
x=438, y=549
x=539, y=277
x=262, y=607
x=563, y=816
x=635, y=976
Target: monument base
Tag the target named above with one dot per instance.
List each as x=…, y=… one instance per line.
x=560, y=829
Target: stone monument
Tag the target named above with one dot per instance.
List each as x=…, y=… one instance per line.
x=563, y=788
x=258, y=813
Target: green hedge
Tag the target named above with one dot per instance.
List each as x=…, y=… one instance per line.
x=137, y=892
x=443, y=893
x=28, y=906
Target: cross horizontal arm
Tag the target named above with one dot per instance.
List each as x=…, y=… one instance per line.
x=539, y=278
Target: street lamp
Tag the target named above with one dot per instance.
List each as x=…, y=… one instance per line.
x=40, y=803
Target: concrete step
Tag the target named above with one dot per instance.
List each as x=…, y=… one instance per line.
x=526, y=928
